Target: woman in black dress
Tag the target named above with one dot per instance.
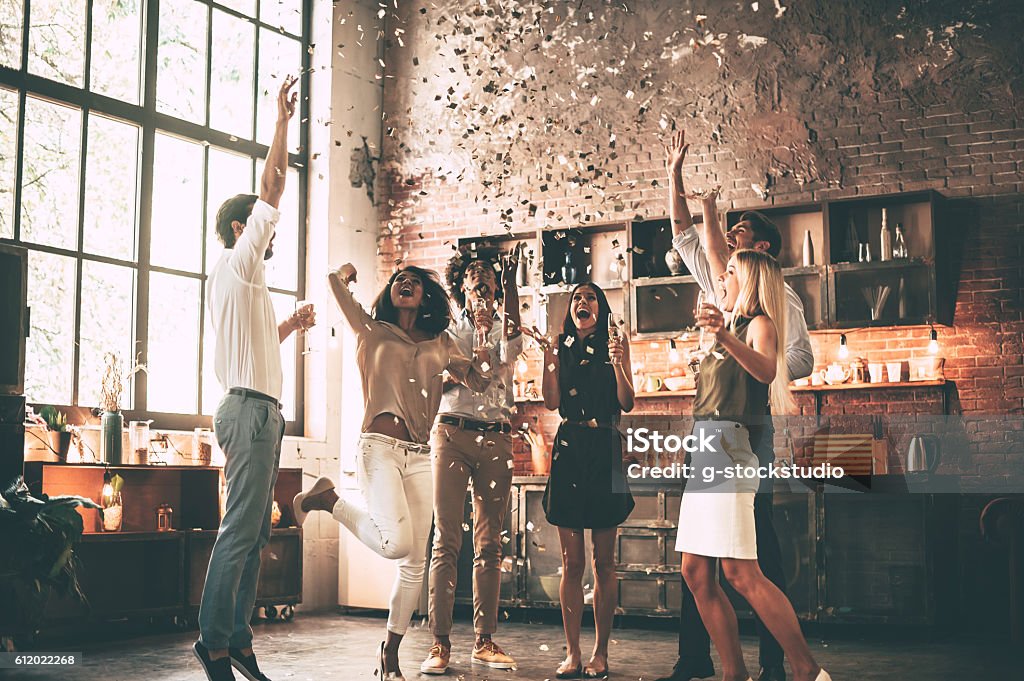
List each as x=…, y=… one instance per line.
x=587, y=377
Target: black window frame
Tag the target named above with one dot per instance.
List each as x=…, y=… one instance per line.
x=150, y=121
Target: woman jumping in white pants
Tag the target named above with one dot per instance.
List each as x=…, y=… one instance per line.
x=402, y=350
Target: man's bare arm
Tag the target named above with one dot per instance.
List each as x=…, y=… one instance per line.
x=276, y=168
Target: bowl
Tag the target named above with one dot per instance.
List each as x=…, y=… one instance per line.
x=677, y=383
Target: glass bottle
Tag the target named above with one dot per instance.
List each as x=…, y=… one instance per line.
x=885, y=237
x=899, y=245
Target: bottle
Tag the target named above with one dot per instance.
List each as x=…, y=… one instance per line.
x=885, y=250
x=852, y=241
x=899, y=244
x=808, y=253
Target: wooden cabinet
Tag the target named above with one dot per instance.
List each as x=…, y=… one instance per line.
x=627, y=259
x=139, y=571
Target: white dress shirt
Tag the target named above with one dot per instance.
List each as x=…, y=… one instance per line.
x=799, y=354
x=496, y=403
x=248, y=351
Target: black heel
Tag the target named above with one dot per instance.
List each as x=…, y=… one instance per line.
x=572, y=674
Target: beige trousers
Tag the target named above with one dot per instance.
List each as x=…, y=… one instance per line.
x=461, y=456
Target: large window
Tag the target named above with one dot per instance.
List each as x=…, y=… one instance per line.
x=123, y=126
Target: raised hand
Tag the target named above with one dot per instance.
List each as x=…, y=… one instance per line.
x=615, y=351
x=347, y=272
x=675, y=152
x=286, y=99
x=711, y=319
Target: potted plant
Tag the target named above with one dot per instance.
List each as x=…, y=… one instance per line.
x=37, y=557
x=57, y=426
x=113, y=420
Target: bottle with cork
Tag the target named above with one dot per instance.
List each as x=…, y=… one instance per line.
x=885, y=249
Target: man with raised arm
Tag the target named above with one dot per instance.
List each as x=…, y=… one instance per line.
x=248, y=421
x=705, y=253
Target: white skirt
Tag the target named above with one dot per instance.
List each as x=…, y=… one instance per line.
x=716, y=515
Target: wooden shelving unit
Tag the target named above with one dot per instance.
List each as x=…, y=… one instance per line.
x=139, y=571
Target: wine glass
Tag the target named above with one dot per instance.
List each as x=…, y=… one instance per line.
x=614, y=322
x=700, y=352
x=302, y=309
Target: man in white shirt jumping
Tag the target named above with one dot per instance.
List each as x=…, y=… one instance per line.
x=248, y=422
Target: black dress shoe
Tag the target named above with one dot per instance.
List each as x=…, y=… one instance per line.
x=216, y=670
x=772, y=674
x=685, y=671
x=246, y=665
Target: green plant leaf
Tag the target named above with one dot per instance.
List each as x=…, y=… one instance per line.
x=116, y=482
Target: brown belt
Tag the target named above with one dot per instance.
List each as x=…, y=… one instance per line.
x=479, y=426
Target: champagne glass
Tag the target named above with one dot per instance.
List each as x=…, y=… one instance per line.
x=697, y=355
x=302, y=309
x=614, y=322
x=479, y=333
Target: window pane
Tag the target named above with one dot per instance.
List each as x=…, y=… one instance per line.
x=49, y=351
x=56, y=40
x=49, y=182
x=283, y=267
x=286, y=14
x=12, y=17
x=279, y=57
x=284, y=305
x=173, y=344
x=247, y=7
x=228, y=174
x=116, y=48
x=111, y=187
x=181, y=83
x=231, y=97
x=108, y=325
x=8, y=157
x=177, y=204
x=212, y=391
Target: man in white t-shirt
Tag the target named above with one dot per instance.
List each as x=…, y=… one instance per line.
x=248, y=422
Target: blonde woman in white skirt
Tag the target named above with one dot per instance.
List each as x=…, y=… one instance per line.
x=743, y=373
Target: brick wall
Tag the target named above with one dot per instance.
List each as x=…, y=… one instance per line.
x=520, y=117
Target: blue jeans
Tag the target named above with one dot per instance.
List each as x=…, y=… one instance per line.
x=249, y=431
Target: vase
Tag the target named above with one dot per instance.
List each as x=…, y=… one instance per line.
x=569, y=269
x=110, y=446
x=60, y=442
x=674, y=261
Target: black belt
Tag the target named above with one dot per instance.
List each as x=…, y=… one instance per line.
x=479, y=426
x=246, y=392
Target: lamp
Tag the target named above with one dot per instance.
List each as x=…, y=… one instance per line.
x=933, y=344
x=844, y=350
x=111, y=503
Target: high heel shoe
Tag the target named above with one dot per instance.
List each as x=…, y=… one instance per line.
x=590, y=674
x=387, y=676
x=575, y=673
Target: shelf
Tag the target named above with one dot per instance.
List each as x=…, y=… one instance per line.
x=879, y=265
x=168, y=535
x=867, y=386
x=554, y=289
x=812, y=270
x=663, y=281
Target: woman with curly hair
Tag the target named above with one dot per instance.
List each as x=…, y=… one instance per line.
x=402, y=349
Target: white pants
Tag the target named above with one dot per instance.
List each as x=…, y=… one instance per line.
x=396, y=482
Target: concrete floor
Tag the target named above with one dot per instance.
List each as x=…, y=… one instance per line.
x=326, y=647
